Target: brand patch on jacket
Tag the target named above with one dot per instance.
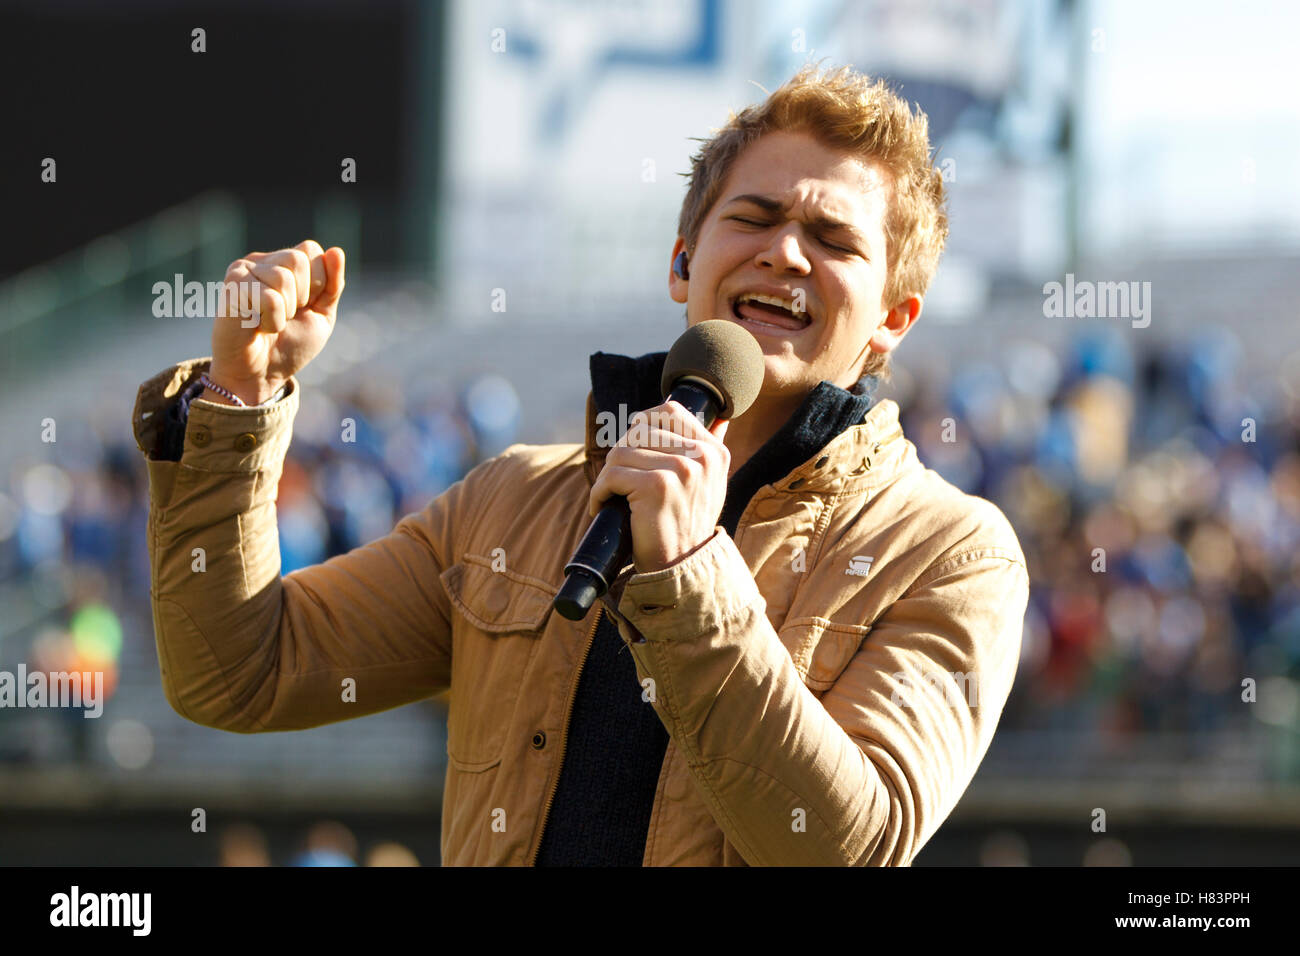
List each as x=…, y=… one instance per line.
x=859, y=564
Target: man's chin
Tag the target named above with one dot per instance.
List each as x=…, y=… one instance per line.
x=785, y=376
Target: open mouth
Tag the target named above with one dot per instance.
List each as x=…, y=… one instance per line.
x=769, y=312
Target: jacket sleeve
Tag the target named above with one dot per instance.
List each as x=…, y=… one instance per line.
x=241, y=648
x=863, y=775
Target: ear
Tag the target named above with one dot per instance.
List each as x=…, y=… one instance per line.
x=895, y=323
x=677, y=286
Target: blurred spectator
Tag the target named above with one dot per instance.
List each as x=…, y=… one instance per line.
x=243, y=844
x=390, y=854
x=1004, y=848
x=1108, y=851
x=492, y=407
x=328, y=844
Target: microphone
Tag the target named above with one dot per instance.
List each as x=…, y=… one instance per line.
x=715, y=369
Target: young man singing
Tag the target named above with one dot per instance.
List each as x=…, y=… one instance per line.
x=808, y=656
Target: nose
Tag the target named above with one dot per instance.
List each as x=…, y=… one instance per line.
x=784, y=254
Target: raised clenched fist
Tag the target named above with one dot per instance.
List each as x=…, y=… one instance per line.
x=278, y=312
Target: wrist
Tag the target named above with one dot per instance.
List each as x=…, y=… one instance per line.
x=208, y=395
x=682, y=556
x=250, y=392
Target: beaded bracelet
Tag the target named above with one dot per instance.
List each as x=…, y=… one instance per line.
x=225, y=393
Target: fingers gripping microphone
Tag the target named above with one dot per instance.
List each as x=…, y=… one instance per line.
x=715, y=370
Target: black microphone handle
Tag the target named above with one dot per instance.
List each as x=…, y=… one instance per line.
x=607, y=546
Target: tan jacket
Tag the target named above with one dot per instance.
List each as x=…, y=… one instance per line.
x=830, y=679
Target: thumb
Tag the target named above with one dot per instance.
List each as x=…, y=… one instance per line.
x=719, y=429
x=335, y=266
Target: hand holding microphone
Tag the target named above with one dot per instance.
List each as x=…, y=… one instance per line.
x=666, y=480
x=673, y=473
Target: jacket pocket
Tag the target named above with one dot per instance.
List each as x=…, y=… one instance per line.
x=821, y=649
x=499, y=621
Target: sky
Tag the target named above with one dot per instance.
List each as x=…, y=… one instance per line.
x=1192, y=125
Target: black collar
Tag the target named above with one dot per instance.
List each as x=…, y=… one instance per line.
x=826, y=411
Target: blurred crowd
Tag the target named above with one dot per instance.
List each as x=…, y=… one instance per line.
x=326, y=843
x=1156, y=495
x=1157, y=499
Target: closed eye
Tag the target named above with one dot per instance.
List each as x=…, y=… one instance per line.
x=843, y=250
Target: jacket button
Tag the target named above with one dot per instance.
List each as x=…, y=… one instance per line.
x=822, y=460
x=201, y=436
x=539, y=740
x=246, y=442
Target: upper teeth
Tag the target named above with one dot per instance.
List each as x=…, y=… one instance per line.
x=787, y=304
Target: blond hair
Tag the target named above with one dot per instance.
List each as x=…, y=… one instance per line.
x=846, y=110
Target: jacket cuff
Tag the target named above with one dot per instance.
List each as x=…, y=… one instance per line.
x=693, y=597
x=218, y=438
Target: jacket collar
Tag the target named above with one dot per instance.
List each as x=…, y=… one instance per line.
x=864, y=453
